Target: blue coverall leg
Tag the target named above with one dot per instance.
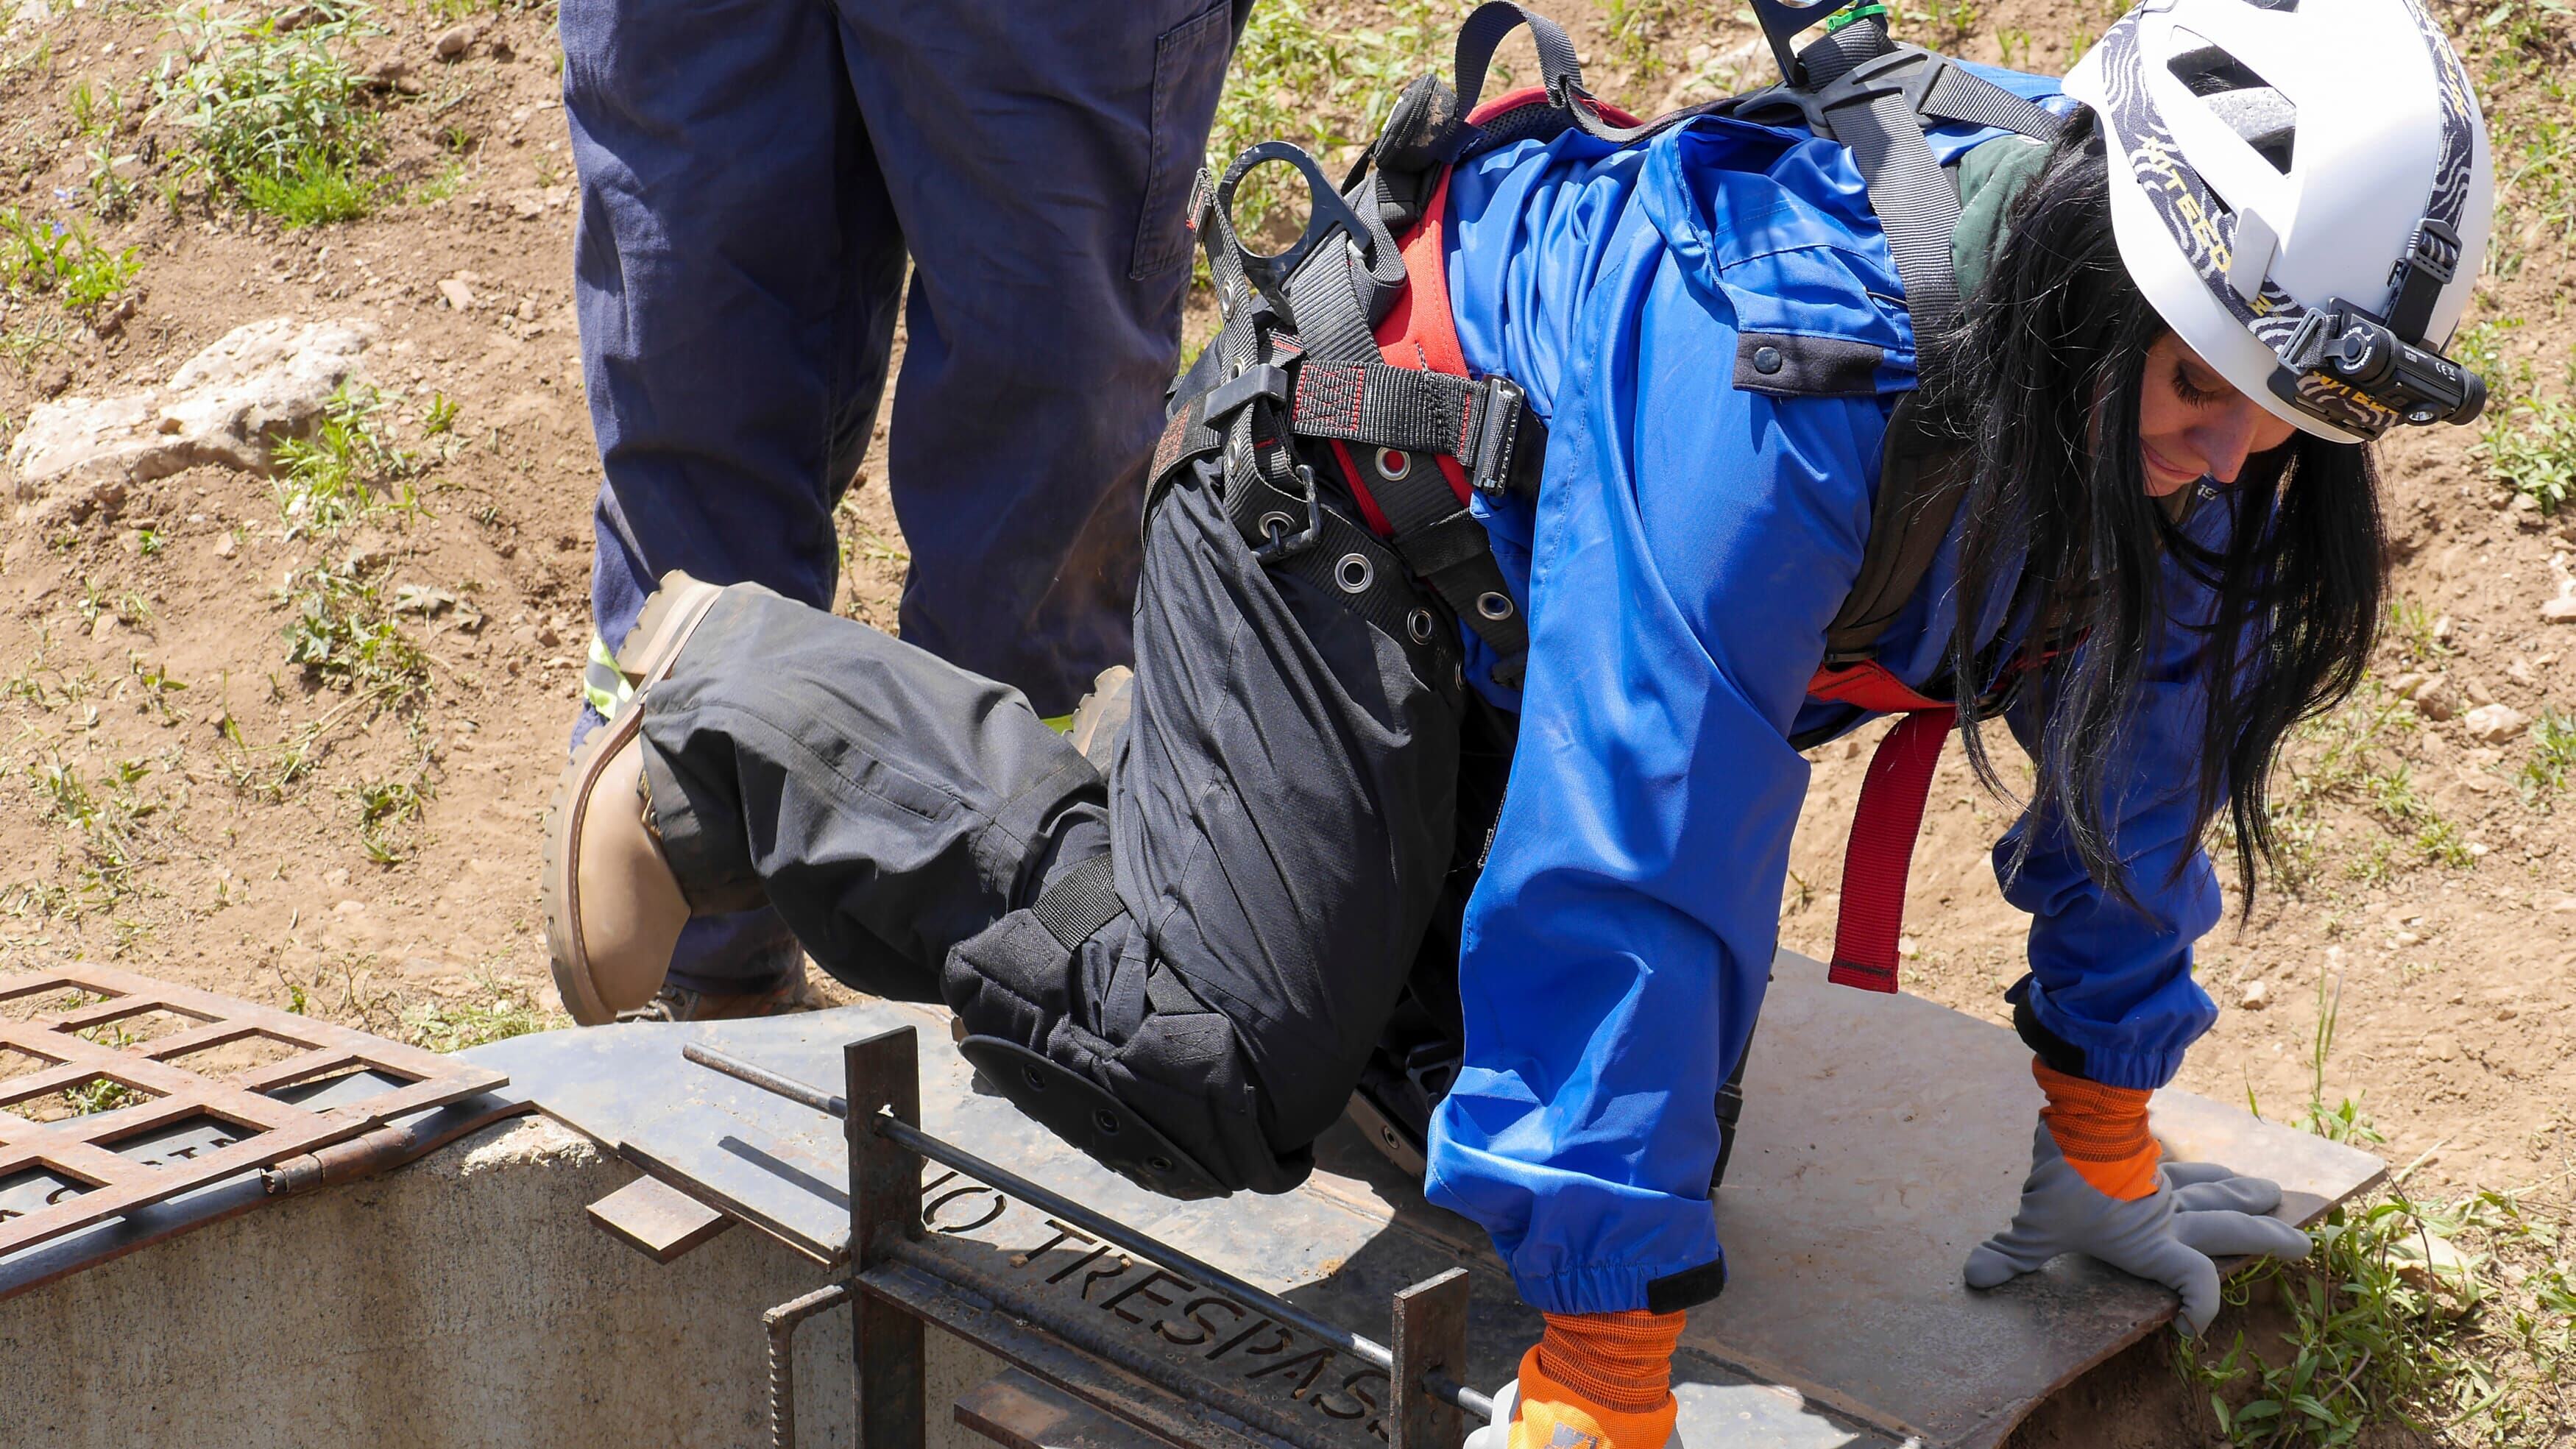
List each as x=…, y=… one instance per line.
x=753, y=178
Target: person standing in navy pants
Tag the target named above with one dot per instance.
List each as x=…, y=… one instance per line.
x=754, y=178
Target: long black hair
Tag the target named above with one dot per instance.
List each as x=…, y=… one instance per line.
x=2039, y=387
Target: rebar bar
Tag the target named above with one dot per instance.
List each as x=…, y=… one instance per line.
x=780, y=1322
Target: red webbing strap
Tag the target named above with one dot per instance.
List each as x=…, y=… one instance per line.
x=1890, y=815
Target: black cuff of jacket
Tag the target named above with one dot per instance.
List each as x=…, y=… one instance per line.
x=1688, y=1288
x=2055, y=1052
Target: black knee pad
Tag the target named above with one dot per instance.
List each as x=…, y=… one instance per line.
x=1158, y=1093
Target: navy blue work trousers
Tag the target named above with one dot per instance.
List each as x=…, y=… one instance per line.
x=754, y=176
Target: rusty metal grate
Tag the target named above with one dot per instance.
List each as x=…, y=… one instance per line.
x=95, y=1180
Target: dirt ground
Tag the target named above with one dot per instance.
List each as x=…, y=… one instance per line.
x=179, y=796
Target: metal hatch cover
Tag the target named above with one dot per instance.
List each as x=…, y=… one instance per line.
x=189, y=1128
x=1882, y=1138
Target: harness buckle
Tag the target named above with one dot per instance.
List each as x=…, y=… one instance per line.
x=1260, y=380
x=1498, y=432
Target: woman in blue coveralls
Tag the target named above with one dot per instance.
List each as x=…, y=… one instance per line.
x=2187, y=316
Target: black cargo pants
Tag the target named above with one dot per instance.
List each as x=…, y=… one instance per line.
x=1277, y=824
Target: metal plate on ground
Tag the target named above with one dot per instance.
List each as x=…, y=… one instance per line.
x=87, y=1030
x=1882, y=1138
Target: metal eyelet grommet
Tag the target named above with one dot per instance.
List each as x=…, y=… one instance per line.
x=1159, y=1163
x=1276, y=526
x=1354, y=573
x=1106, y=1121
x=1037, y=1079
x=1419, y=624
x=1493, y=606
x=1393, y=464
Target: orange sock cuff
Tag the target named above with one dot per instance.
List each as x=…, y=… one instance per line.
x=1621, y=1361
x=2102, y=1131
x=1554, y=1414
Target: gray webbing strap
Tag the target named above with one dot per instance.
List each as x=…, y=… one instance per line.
x=1917, y=206
x=1080, y=902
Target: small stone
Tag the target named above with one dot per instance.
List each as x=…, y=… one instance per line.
x=2495, y=723
x=2436, y=699
x=53, y=381
x=456, y=294
x=2519, y=671
x=2560, y=610
x=2526, y=513
x=2478, y=692
x=2441, y=1046
x=2258, y=994
x=545, y=636
x=227, y=546
x=2407, y=938
x=2565, y=905
x=104, y=625
x=454, y=41
x=2442, y=629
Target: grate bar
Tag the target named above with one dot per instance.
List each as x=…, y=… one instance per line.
x=913, y=1139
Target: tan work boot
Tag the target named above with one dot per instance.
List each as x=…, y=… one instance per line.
x=612, y=908
x=1102, y=714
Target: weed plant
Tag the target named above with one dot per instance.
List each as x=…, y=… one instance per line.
x=345, y=469
x=59, y=259
x=278, y=119
x=2553, y=756
x=2401, y=1315
x=344, y=635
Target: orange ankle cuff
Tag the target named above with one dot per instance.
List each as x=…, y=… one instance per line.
x=2102, y=1131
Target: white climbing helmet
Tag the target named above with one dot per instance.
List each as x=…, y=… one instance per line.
x=2302, y=190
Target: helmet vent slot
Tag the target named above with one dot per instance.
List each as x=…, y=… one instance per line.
x=2250, y=106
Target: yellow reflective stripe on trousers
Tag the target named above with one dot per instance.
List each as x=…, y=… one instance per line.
x=603, y=687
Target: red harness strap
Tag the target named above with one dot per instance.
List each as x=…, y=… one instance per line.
x=1885, y=823
x=1419, y=333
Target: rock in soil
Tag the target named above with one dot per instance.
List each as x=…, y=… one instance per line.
x=228, y=404
x=2495, y=723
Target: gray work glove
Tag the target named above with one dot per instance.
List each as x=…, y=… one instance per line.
x=2199, y=1211
x=1498, y=1434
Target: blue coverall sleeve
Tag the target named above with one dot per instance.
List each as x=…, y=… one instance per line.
x=2110, y=979
x=1690, y=544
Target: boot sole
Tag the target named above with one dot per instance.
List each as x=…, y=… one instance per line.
x=660, y=633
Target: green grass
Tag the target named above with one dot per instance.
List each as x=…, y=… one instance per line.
x=507, y=1011
x=2530, y=447
x=345, y=469
x=280, y=121
x=1297, y=79
x=1638, y=30
x=107, y=818
x=2415, y=632
x=313, y=188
